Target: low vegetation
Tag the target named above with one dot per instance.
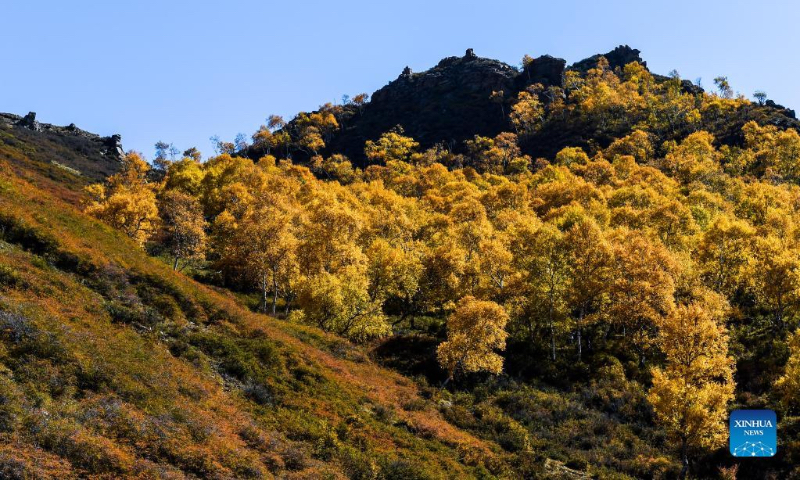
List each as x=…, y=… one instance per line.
x=596, y=313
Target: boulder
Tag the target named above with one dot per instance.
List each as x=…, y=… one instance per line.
x=29, y=122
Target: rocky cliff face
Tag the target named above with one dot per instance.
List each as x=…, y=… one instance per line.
x=452, y=101
x=448, y=103
x=617, y=58
x=93, y=156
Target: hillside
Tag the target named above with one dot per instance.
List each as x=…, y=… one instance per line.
x=87, y=155
x=114, y=365
x=480, y=272
x=452, y=102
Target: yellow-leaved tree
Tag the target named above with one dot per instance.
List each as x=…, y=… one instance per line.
x=590, y=261
x=690, y=393
x=392, y=145
x=474, y=331
x=527, y=114
x=183, y=226
x=127, y=201
x=788, y=386
x=724, y=254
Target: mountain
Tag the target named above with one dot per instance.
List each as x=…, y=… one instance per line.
x=89, y=155
x=579, y=277
x=113, y=365
x=452, y=102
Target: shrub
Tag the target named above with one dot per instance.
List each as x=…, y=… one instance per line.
x=10, y=278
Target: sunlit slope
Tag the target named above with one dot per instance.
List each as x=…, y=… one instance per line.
x=113, y=365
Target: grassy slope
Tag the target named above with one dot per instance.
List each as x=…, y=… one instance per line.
x=111, y=364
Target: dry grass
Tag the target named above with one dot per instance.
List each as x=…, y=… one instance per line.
x=128, y=406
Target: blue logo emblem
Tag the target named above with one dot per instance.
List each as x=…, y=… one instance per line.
x=754, y=433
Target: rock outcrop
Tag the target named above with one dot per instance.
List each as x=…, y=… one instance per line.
x=454, y=101
x=94, y=156
x=29, y=122
x=617, y=58
x=546, y=70
x=447, y=103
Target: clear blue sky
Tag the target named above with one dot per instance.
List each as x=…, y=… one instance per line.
x=181, y=71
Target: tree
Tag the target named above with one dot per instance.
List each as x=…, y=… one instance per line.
x=637, y=144
x=590, y=261
x=392, y=271
x=499, y=97
x=391, y=146
x=527, y=114
x=690, y=394
x=724, y=87
x=760, y=96
x=127, y=201
x=694, y=159
x=165, y=152
x=311, y=140
x=788, y=386
x=775, y=277
x=642, y=289
x=546, y=265
x=221, y=147
x=474, y=331
x=341, y=303
x=777, y=150
x=255, y=233
x=571, y=156
x=275, y=122
x=336, y=167
x=724, y=254
x=240, y=142
x=527, y=62
x=183, y=226
x=193, y=153
x=185, y=175
x=495, y=155
x=361, y=101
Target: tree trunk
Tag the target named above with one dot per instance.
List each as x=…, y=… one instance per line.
x=175, y=263
x=264, y=294
x=453, y=372
x=684, y=460
x=447, y=380
x=580, y=343
x=552, y=331
x=274, y=296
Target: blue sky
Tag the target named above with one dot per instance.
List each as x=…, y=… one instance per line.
x=182, y=71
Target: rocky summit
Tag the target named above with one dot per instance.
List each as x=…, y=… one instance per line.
x=93, y=156
x=464, y=96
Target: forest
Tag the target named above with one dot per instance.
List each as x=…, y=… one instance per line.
x=646, y=263
x=596, y=313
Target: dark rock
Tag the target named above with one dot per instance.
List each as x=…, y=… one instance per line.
x=29, y=122
x=546, y=70
x=448, y=103
x=688, y=87
x=617, y=58
x=114, y=145
x=786, y=111
x=94, y=156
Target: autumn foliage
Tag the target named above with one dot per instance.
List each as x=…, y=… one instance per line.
x=649, y=277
